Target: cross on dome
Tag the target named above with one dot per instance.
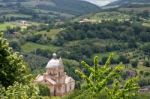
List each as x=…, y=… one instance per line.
x=54, y=55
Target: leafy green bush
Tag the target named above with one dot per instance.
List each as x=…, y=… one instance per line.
x=134, y=63
x=20, y=91
x=15, y=45
x=97, y=82
x=12, y=66
x=146, y=63
x=144, y=82
x=43, y=90
x=15, y=80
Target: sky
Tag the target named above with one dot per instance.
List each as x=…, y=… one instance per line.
x=100, y=2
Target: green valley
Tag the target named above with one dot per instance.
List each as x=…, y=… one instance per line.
x=78, y=31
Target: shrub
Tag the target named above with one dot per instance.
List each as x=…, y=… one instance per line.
x=134, y=63
x=15, y=45
x=146, y=74
x=43, y=90
x=123, y=59
x=146, y=63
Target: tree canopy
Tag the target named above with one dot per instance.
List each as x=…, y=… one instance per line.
x=12, y=66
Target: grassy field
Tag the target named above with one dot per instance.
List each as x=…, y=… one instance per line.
x=18, y=15
x=29, y=47
x=146, y=24
x=51, y=33
x=3, y=26
x=143, y=68
x=110, y=16
x=98, y=17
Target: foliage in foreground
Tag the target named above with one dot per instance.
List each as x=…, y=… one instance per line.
x=12, y=67
x=14, y=76
x=97, y=83
x=20, y=91
x=106, y=81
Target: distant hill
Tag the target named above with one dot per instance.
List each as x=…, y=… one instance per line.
x=60, y=9
x=128, y=2
x=100, y=2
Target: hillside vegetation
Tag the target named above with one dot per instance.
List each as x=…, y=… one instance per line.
x=128, y=2
x=122, y=31
x=44, y=9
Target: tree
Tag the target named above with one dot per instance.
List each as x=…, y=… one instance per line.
x=145, y=14
x=15, y=45
x=98, y=80
x=12, y=66
x=146, y=48
x=134, y=63
x=123, y=59
x=132, y=43
x=15, y=80
x=146, y=63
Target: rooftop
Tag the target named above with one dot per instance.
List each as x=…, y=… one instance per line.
x=54, y=62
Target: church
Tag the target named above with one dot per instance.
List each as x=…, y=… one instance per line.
x=55, y=78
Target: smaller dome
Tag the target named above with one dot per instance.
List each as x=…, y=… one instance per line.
x=54, y=62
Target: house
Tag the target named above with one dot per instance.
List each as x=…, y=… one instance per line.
x=85, y=20
x=24, y=23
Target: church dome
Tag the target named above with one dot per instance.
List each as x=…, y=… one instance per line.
x=54, y=62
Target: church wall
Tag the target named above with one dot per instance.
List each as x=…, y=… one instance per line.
x=52, y=91
x=60, y=90
x=72, y=85
x=67, y=87
x=61, y=79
